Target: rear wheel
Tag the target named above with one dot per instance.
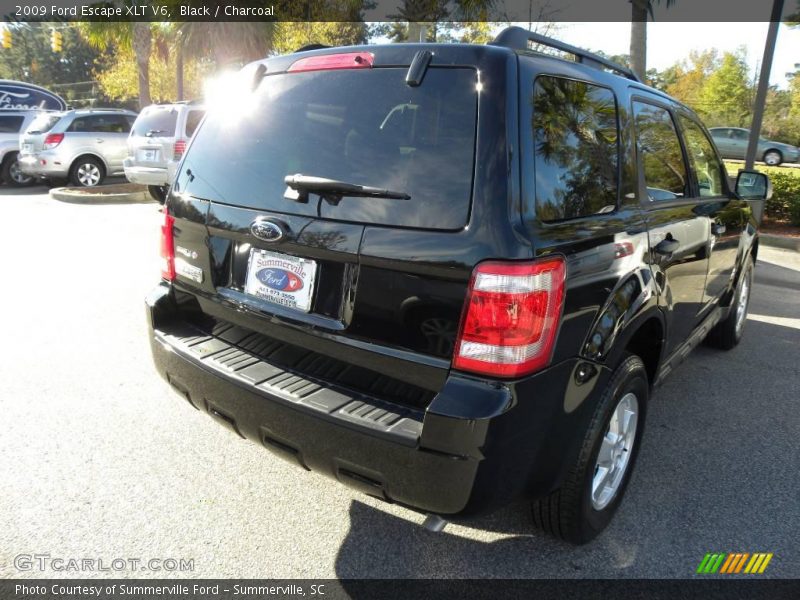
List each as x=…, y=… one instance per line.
x=158, y=193
x=595, y=484
x=87, y=172
x=11, y=173
x=728, y=333
x=773, y=158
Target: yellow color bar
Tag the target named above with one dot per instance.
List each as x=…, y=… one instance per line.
x=764, y=564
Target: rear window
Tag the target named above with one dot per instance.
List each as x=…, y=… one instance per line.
x=43, y=123
x=366, y=127
x=10, y=124
x=157, y=122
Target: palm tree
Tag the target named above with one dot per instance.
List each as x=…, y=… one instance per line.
x=640, y=11
x=134, y=35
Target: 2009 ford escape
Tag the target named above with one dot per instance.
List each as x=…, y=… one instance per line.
x=450, y=275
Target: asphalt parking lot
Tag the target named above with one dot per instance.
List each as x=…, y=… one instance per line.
x=101, y=459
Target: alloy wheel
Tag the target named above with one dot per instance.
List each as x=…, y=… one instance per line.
x=88, y=174
x=615, y=451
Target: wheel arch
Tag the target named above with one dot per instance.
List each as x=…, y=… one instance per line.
x=768, y=150
x=90, y=155
x=645, y=338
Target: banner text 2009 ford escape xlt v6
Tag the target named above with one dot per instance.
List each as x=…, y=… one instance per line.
x=449, y=276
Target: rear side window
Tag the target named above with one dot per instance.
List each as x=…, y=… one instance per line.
x=702, y=158
x=576, y=148
x=100, y=124
x=43, y=123
x=365, y=127
x=193, y=120
x=10, y=124
x=156, y=122
x=660, y=155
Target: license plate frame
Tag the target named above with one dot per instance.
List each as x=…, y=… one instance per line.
x=274, y=277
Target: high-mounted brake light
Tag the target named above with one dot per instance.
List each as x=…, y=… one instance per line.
x=52, y=140
x=167, y=247
x=327, y=62
x=180, y=148
x=511, y=317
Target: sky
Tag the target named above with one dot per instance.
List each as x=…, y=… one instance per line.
x=668, y=43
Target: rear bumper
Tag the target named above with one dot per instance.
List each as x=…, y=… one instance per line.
x=145, y=175
x=479, y=444
x=31, y=164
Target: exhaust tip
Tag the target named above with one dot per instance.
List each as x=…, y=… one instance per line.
x=434, y=523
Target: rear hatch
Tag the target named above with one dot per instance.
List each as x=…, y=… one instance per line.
x=32, y=141
x=152, y=139
x=375, y=278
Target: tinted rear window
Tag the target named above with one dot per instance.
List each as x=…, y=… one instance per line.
x=43, y=123
x=158, y=122
x=366, y=127
x=10, y=124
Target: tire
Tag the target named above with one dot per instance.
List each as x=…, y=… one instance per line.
x=728, y=333
x=10, y=173
x=773, y=158
x=158, y=193
x=578, y=511
x=87, y=171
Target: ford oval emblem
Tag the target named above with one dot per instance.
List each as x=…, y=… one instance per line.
x=280, y=279
x=268, y=231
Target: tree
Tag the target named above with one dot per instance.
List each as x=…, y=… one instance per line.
x=136, y=36
x=640, y=11
x=31, y=59
x=726, y=93
x=289, y=36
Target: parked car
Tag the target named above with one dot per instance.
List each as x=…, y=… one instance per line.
x=157, y=142
x=732, y=143
x=84, y=146
x=437, y=273
x=12, y=124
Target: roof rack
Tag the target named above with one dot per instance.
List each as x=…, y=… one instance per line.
x=518, y=38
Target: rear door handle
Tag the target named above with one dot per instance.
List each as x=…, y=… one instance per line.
x=717, y=229
x=667, y=245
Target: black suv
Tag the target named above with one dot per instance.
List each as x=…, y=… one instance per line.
x=449, y=275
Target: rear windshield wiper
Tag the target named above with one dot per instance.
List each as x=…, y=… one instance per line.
x=332, y=190
x=153, y=131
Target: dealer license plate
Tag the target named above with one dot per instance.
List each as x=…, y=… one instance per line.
x=280, y=278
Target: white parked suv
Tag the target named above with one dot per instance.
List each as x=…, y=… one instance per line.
x=157, y=143
x=12, y=124
x=83, y=145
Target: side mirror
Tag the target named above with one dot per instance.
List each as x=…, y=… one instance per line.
x=752, y=185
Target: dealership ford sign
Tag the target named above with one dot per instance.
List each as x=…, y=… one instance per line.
x=16, y=95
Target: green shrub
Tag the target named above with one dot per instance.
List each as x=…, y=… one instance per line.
x=785, y=201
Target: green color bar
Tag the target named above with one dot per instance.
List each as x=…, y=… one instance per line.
x=703, y=563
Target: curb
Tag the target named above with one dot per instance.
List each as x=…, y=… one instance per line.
x=780, y=241
x=79, y=196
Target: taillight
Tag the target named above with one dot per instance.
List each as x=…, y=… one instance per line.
x=510, y=317
x=167, y=247
x=327, y=62
x=180, y=148
x=52, y=140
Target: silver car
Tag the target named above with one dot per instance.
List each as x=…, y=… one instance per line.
x=83, y=145
x=732, y=143
x=157, y=143
x=12, y=124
